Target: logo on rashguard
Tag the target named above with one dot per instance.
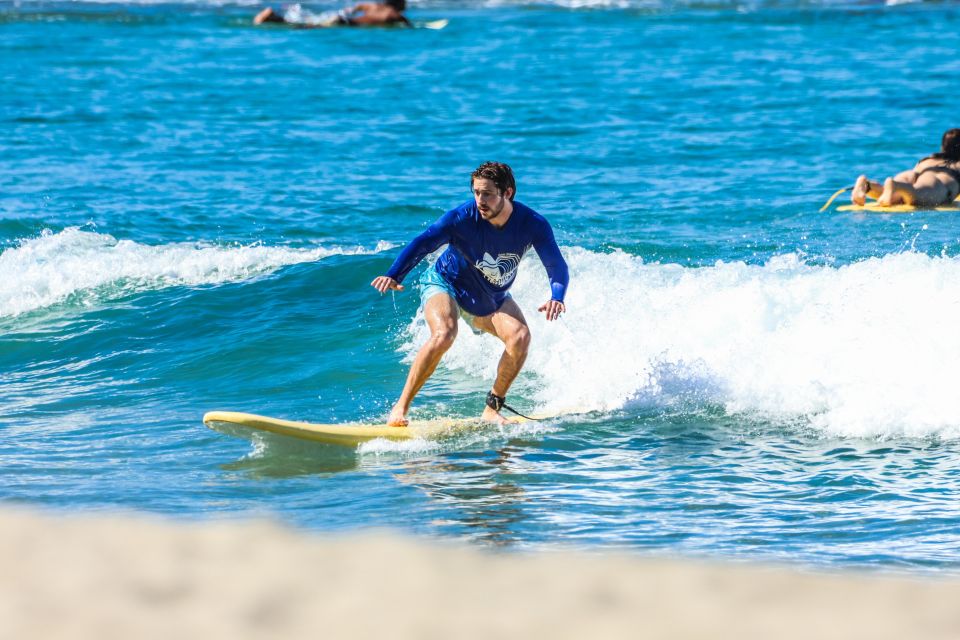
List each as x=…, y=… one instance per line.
x=501, y=270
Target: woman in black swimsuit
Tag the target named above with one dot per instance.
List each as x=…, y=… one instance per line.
x=933, y=182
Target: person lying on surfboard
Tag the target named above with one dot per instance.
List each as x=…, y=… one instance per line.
x=933, y=182
x=364, y=14
x=486, y=238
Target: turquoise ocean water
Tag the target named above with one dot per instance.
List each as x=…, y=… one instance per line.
x=191, y=210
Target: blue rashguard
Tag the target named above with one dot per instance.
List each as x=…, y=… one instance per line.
x=481, y=261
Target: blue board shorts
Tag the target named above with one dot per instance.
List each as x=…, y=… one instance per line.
x=432, y=283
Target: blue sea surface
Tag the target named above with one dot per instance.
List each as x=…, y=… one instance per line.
x=192, y=208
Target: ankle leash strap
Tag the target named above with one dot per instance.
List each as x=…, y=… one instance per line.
x=497, y=403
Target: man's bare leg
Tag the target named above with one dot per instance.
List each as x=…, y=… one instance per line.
x=508, y=324
x=864, y=188
x=441, y=313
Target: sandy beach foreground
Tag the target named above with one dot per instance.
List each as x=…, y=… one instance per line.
x=130, y=577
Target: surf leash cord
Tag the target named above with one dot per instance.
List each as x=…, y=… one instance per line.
x=497, y=403
x=834, y=197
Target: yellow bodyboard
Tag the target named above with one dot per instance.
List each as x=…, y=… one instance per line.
x=873, y=207
x=346, y=434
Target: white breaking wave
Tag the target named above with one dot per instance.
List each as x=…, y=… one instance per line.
x=83, y=267
x=866, y=349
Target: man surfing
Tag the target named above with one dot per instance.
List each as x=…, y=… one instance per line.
x=486, y=238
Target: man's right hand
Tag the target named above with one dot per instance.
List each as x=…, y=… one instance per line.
x=385, y=283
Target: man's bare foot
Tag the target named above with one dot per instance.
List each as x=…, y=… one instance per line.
x=860, y=191
x=267, y=15
x=397, y=418
x=489, y=415
x=889, y=196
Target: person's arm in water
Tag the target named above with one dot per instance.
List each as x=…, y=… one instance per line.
x=546, y=247
x=427, y=242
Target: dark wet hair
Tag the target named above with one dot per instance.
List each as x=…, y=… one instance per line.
x=498, y=173
x=399, y=5
x=950, y=146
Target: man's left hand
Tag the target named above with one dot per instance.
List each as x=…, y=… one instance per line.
x=553, y=309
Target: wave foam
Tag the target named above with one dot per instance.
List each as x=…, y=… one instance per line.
x=85, y=268
x=866, y=349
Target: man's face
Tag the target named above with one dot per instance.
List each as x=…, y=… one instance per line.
x=490, y=200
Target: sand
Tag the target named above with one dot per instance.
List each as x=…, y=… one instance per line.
x=134, y=577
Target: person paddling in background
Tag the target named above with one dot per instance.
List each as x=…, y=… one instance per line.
x=486, y=238
x=364, y=14
x=933, y=182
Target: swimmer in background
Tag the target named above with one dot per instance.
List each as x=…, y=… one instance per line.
x=933, y=182
x=364, y=14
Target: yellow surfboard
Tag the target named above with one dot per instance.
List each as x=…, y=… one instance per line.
x=346, y=434
x=873, y=207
